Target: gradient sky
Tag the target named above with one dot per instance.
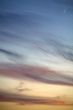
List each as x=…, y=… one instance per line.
x=37, y=32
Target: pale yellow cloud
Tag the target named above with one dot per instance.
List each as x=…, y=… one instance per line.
x=36, y=88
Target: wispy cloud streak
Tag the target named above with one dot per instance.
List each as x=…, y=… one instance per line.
x=36, y=73
x=11, y=55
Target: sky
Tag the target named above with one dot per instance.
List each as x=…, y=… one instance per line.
x=37, y=32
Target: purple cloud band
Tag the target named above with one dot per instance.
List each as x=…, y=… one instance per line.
x=41, y=74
